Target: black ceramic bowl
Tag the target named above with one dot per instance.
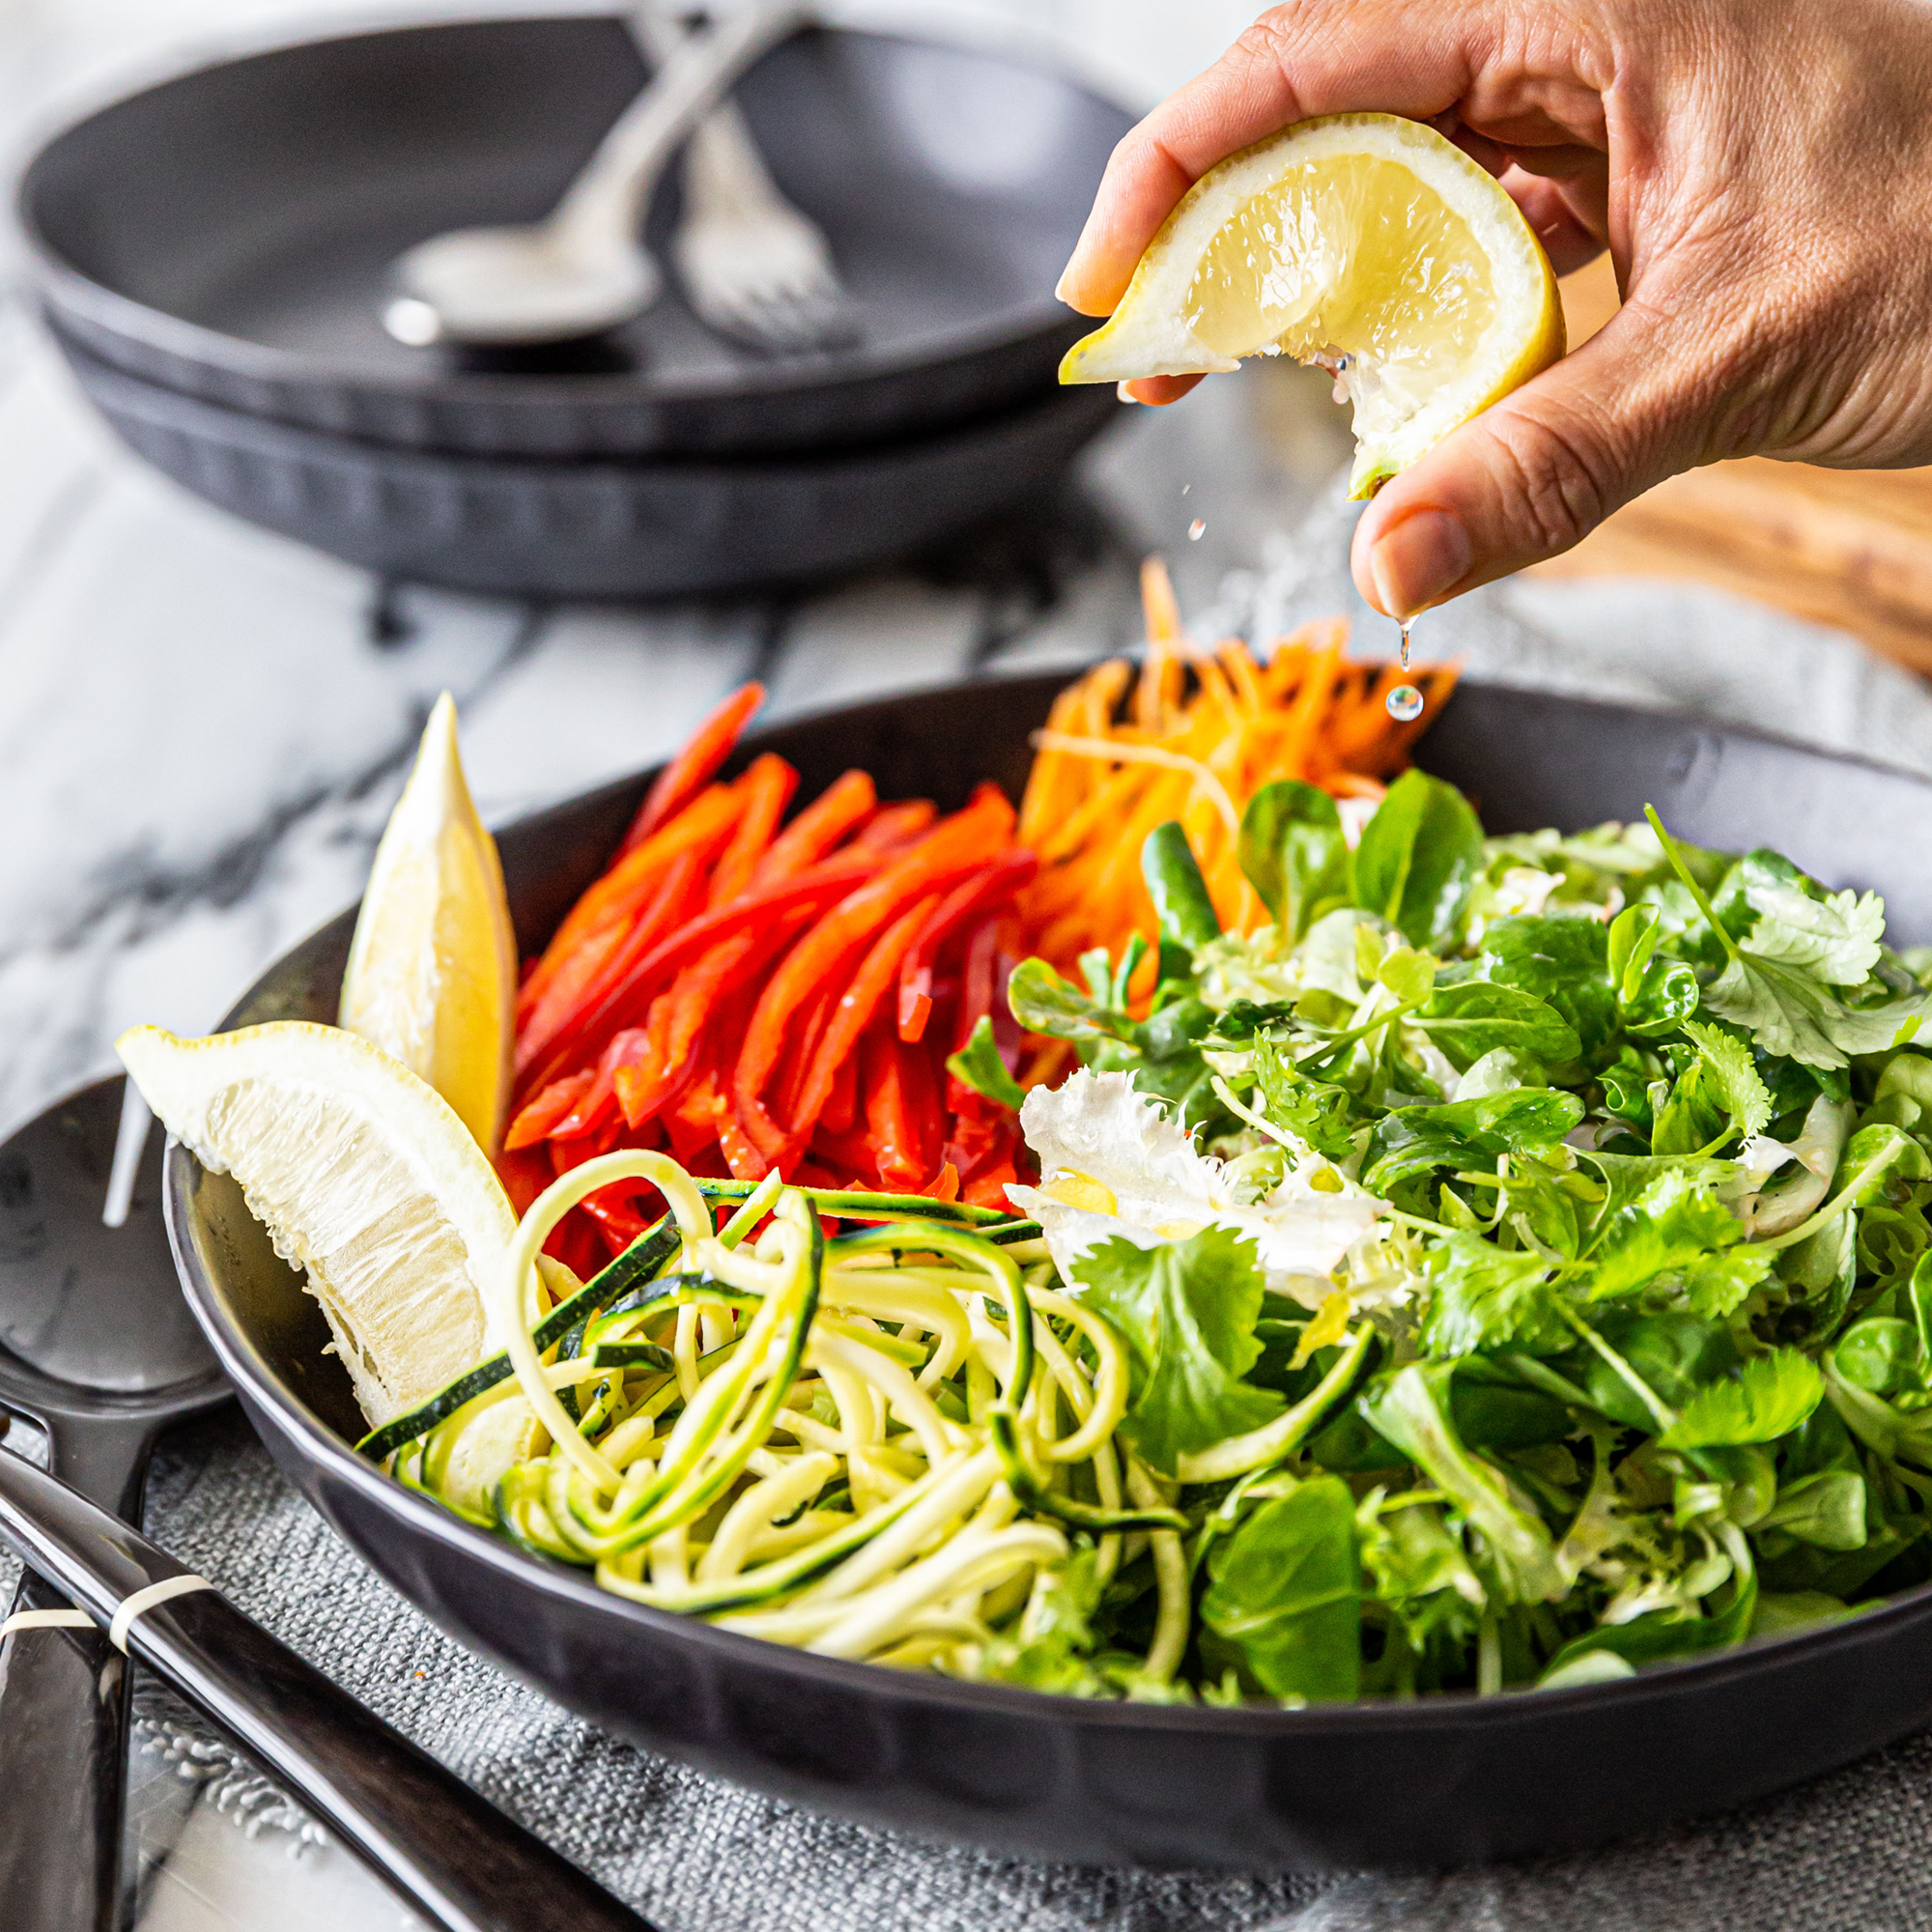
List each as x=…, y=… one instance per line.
x=227, y=233
x=654, y=526
x=1439, y=1781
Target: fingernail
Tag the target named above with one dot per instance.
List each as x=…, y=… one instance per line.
x=1417, y=560
x=1059, y=287
x=1125, y=390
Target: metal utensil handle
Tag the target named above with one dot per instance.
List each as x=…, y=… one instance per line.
x=616, y=181
x=63, y=1742
x=722, y=158
x=453, y=1854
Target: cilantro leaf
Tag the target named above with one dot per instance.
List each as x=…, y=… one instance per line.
x=1474, y=1017
x=1676, y=1224
x=1482, y=1295
x=1834, y=939
x=1311, y=1110
x=1779, y=982
x=1789, y=1010
x=1772, y=1395
x=1285, y=1593
x=1187, y=1311
x=1733, y=1073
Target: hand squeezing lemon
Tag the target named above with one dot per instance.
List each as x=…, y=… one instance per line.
x=1362, y=242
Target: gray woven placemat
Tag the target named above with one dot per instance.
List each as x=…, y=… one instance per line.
x=701, y=1855
x=697, y=1854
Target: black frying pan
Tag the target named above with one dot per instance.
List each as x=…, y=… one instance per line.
x=655, y=527
x=1439, y=1780
x=226, y=234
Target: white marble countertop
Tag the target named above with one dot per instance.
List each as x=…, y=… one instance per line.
x=202, y=726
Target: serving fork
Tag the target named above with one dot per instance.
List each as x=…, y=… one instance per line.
x=754, y=266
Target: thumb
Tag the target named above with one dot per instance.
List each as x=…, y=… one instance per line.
x=1534, y=473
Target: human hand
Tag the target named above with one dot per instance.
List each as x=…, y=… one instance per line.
x=1760, y=171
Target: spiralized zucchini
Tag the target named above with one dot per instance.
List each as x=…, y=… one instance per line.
x=883, y=1444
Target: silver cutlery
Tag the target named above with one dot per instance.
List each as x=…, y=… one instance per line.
x=97, y=1346
x=754, y=267
x=583, y=267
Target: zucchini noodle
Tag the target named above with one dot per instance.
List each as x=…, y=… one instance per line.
x=881, y=1445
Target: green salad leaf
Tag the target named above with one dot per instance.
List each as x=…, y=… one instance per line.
x=1284, y=1593
x=1292, y=852
x=1418, y=861
x=1770, y=1395
x=1187, y=1311
x=1472, y=1018
x=979, y=1065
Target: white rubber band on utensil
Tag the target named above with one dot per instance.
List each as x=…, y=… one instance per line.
x=41, y=1620
x=146, y=1599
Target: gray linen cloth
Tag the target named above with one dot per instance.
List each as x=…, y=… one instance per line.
x=699, y=1855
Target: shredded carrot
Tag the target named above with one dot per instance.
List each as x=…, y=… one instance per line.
x=1192, y=738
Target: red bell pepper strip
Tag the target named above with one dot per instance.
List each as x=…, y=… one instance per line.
x=815, y=829
x=552, y=1105
x=977, y=982
x=817, y=885
x=768, y=785
x=989, y=887
x=599, y=1100
x=902, y=1115
x=850, y=1016
x=556, y=993
x=845, y=803
x=893, y=827
x=836, y=1114
x=955, y=846
x=538, y=1042
x=694, y=767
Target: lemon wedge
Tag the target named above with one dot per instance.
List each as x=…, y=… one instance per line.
x=1363, y=241
x=364, y=1178
x=432, y=973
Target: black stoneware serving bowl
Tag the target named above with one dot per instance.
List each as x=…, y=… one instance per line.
x=652, y=526
x=227, y=232
x=1438, y=1781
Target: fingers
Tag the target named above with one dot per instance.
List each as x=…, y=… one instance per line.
x=1570, y=222
x=1531, y=476
x=1409, y=57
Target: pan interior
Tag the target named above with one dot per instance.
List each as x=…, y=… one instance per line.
x=265, y=198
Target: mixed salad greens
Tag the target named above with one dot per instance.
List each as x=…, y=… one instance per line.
x=1521, y=1249
x=1509, y=1264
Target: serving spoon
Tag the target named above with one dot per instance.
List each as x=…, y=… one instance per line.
x=583, y=267
x=98, y=1345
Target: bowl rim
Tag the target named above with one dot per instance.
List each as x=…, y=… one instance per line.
x=66, y=287
x=257, y=1383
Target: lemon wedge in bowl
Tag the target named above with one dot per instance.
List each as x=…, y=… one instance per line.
x=432, y=973
x=1362, y=242
x=364, y=1178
